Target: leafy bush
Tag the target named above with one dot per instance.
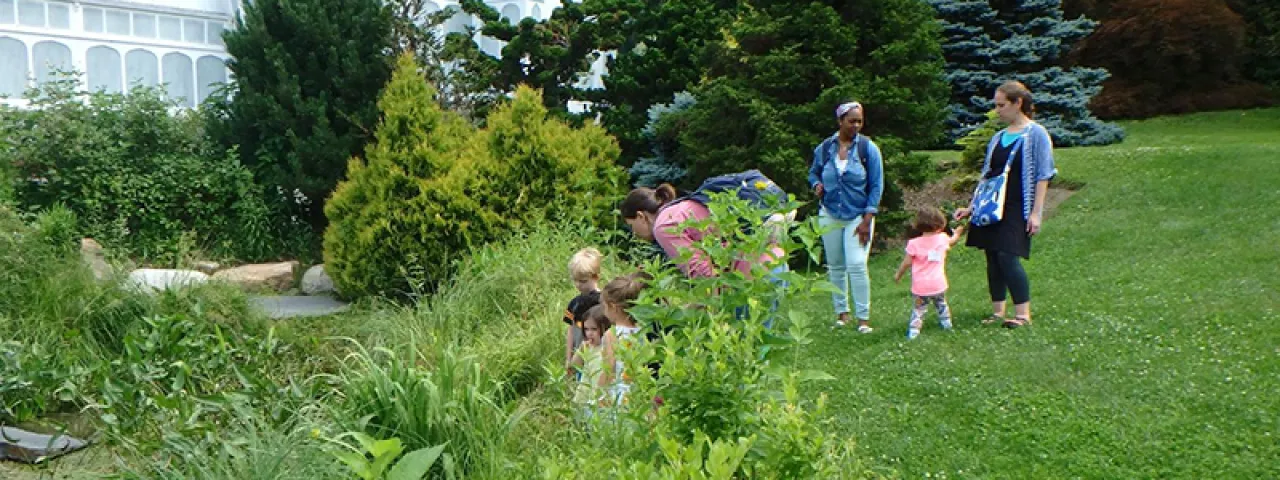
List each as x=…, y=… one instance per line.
x=137, y=177
x=48, y=297
x=975, y=145
x=1170, y=57
x=1262, y=64
x=430, y=189
x=724, y=403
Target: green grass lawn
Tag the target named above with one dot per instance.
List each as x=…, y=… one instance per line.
x=1155, y=351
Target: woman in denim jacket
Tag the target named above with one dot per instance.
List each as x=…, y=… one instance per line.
x=847, y=176
x=1027, y=150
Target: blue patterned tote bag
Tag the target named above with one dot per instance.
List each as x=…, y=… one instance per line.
x=988, y=198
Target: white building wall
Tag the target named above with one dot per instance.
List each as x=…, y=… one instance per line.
x=115, y=44
x=177, y=43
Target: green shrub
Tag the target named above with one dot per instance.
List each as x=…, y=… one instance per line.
x=975, y=145
x=137, y=177
x=408, y=210
x=430, y=188
x=729, y=403
x=544, y=168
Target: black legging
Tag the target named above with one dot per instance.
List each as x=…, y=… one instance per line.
x=1004, y=272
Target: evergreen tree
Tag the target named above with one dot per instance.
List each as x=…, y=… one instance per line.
x=770, y=96
x=662, y=134
x=307, y=76
x=660, y=48
x=548, y=55
x=405, y=211
x=989, y=42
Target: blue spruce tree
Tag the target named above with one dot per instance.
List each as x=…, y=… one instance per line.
x=986, y=42
x=662, y=135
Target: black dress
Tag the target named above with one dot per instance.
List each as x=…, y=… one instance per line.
x=1010, y=234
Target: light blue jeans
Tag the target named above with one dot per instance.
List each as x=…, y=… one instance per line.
x=847, y=264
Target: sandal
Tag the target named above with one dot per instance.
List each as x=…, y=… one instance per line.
x=994, y=319
x=1016, y=322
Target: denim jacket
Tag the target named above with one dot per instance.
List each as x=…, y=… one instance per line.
x=1037, y=163
x=856, y=191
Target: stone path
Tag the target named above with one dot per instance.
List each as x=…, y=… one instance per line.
x=298, y=305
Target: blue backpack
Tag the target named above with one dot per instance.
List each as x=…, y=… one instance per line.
x=751, y=185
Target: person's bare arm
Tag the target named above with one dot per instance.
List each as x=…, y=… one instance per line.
x=902, y=269
x=957, y=234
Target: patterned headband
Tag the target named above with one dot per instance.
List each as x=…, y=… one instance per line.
x=845, y=108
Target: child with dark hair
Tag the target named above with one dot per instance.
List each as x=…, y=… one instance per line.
x=927, y=259
x=588, y=359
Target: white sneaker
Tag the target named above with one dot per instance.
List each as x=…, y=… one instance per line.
x=865, y=329
x=912, y=334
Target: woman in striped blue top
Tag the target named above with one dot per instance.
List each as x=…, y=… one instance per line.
x=1026, y=148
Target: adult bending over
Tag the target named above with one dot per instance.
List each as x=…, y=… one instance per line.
x=1026, y=149
x=654, y=214
x=847, y=176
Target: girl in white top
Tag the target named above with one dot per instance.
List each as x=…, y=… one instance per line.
x=619, y=296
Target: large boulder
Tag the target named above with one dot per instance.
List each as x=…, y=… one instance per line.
x=262, y=276
x=151, y=279
x=316, y=281
x=95, y=257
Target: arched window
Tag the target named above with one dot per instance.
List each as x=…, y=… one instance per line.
x=103, y=68
x=176, y=71
x=512, y=13
x=141, y=68
x=210, y=71
x=458, y=23
x=13, y=67
x=49, y=57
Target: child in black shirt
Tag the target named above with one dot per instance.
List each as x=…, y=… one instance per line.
x=584, y=270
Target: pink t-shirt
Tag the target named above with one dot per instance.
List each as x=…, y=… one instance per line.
x=673, y=239
x=929, y=263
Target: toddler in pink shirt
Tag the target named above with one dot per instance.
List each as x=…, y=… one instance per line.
x=927, y=259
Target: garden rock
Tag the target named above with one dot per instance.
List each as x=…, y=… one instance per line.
x=263, y=276
x=165, y=279
x=316, y=281
x=95, y=257
x=27, y=447
x=207, y=267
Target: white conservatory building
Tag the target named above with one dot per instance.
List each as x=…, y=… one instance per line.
x=175, y=43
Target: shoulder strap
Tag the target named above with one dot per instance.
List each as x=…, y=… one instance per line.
x=863, y=148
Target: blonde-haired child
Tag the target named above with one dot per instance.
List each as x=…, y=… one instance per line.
x=584, y=270
x=927, y=259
